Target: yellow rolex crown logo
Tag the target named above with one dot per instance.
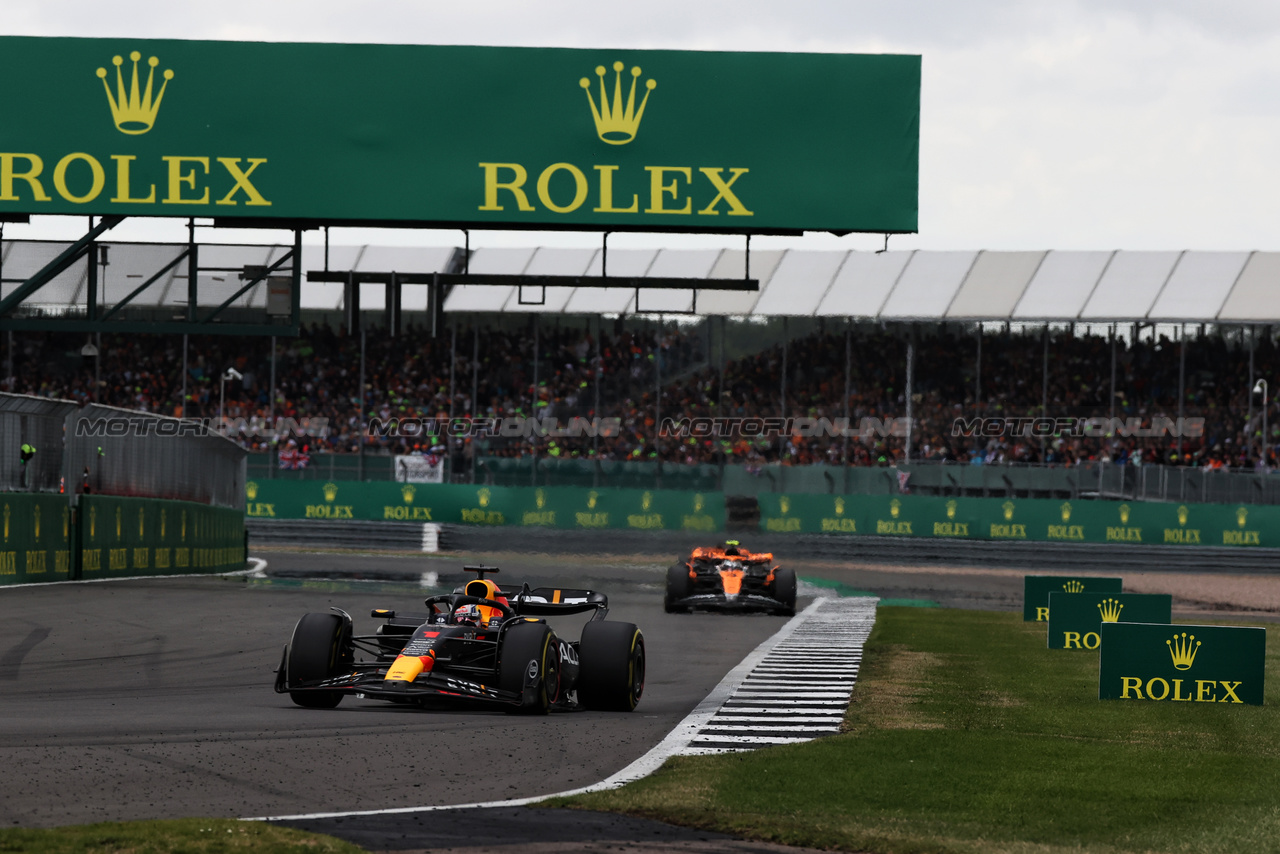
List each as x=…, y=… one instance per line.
x=540, y=498
x=1183, y=513
x=1074, y=587
x=698, y=503
x=1124, y=514
x=407, y=492
x=784, y=504
x=251, y=490
x=617, y=124
x=330, y=491
x=134, y=110
x=592, y=498
x=839, y=506
x=483, y=497
x=645, y=501
x=895, y=507
x=951, y=509
x=1007, y=507
x=1066, y=511
x=1110, y=610
x=1183, y=649
x=1242, y=516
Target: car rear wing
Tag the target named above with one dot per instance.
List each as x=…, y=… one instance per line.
x=552, y=601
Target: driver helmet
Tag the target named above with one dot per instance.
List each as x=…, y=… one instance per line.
x=731, y=547
x=467, y=615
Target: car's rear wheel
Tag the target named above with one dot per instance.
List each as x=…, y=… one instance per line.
x=612, y=665
x=531, y=649
x=784, y=590
x=315, y=652
x=679, y=586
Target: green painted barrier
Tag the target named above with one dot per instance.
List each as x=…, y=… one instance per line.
x=549, y=507
x=37, y=538
x=1190, y=664
x=126, y=537
x=1074, y=618
x=1034, y=519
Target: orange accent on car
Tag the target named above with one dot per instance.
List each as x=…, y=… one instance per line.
x=732, y=580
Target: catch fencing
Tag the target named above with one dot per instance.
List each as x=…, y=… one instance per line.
x=37, y=422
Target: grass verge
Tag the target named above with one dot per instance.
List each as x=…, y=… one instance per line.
x=187, y=835
x=966, y=734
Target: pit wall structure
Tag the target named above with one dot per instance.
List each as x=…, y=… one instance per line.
x=1028, y=519
x=46, y=539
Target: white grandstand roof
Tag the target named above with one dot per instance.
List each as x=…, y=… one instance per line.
x=1063, y=286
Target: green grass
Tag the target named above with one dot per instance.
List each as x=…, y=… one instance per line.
x=183, y=836
x=967, y=735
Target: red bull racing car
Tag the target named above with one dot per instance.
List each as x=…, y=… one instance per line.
x=479, y=644
x=730, y=578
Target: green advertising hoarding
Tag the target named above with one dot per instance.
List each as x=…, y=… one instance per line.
x=1074, y=618
x=1036, y=590
x=1190, y=664
x=547, y=507
x=36, y=541
x=479, y=136
x=1030, y=519
x=122, y=537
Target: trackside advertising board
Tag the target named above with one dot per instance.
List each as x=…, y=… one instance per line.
x=603, y=139
x=1182, y=664
x=1036, y=590
x=1074, y=618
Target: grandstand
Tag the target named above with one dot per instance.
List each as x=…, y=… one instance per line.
x=828, y=335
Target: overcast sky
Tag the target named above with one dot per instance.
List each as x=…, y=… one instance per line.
x=1044, y=125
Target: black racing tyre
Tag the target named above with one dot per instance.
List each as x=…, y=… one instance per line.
x=611, y=666
x=784, y=589
x=524, y=647
x=679, y=586
x=315, y=652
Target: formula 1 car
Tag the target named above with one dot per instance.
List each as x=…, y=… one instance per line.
x=479, y=643
x=730, y=578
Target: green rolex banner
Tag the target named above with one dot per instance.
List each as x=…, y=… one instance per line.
x=1074, y=618
x=1036, y=589
x=1188, y=664
x=498, y=137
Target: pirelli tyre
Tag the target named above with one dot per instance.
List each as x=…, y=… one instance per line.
x=530, y=652
x=612, y=663
x=315, y=652
x=679, y=586
x=784, y=590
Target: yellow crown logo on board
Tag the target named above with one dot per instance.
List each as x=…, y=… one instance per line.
x=895, y=507
x=698, y=503
x=1074, y=587
x=540, y=498
x=1066, y=511
x=483, y=497
x=406, y=492
x=617, y=123
x=592, y=498
x=839, y=506
x=36, y=516
x=330, y=491
x=134, y=110
x=951, y=509
x=1242, y=516
x=784, y=504
x=1124, y=514
x=1183, y=650
x=1183, y=513
x=1110, y=610
x=645, y=501
x=1007, y=507
x=251, y=490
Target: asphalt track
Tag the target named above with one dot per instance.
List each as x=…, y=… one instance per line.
x=153, y=698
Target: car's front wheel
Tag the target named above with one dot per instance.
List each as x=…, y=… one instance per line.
x=679, y=586
x=612, y=665
x=530, y=652
x=315, y=652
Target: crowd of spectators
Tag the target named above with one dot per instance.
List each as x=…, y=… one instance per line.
x=614, y=370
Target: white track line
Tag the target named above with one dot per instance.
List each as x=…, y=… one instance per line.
x=676, y=741
x=258, y=570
